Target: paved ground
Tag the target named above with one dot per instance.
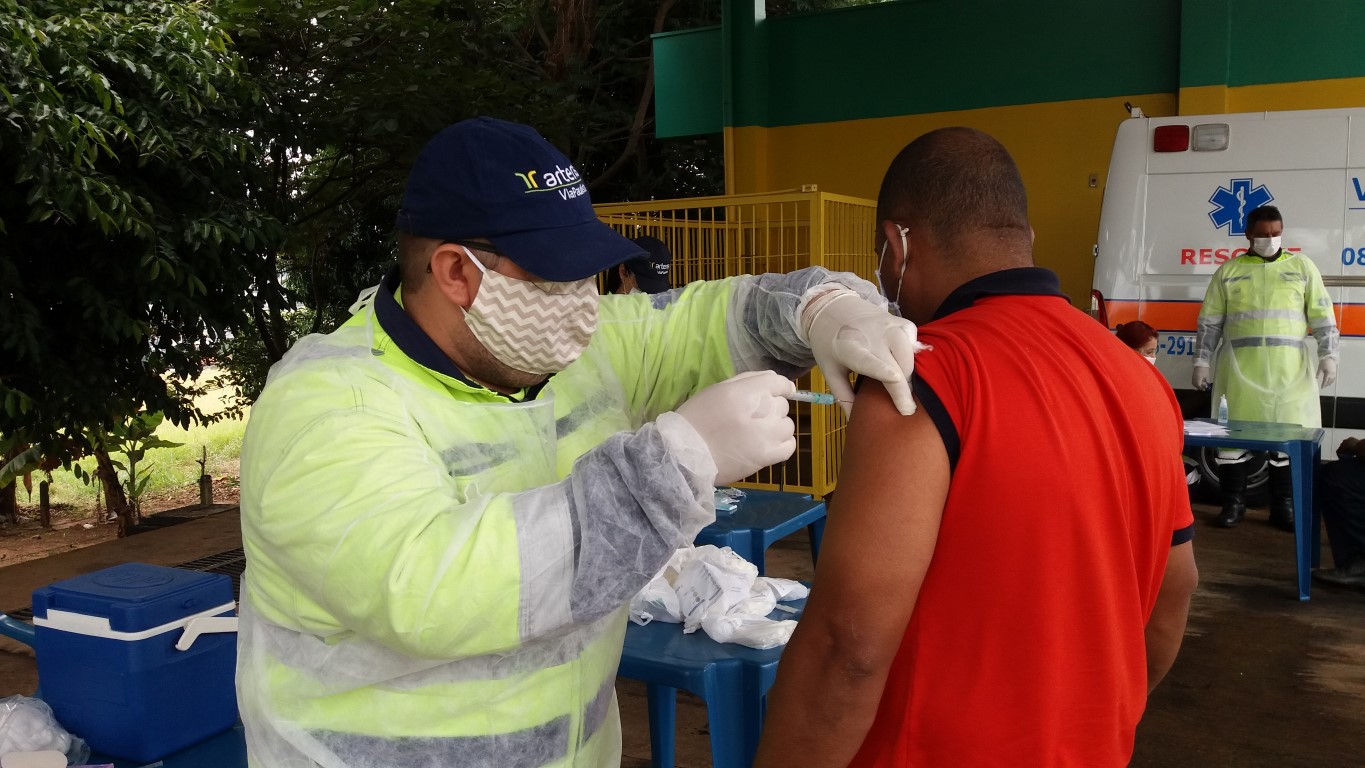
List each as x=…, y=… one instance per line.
x=1263, y=681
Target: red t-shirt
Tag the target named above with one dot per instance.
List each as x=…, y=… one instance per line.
x=1026, y=645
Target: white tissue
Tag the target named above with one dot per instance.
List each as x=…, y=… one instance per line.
x=715, y=590
x=754, y=631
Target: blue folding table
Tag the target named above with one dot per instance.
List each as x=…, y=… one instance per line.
x=762, y=518
x=731, y=679
x=1300, y=444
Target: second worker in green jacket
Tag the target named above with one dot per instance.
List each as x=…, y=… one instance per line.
x=1251, y=331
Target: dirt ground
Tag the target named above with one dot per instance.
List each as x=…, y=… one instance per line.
x=75, y=526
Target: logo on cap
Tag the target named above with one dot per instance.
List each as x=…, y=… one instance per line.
x=566, y=181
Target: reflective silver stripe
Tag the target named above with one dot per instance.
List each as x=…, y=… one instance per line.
x=1266, y=314
x=1235, y=278
x=356, y=662
x=596, y=712
x=1266, y=341
x=546, y=548
x=529, y=748
x=1324, y=322
x=535, y=655
x=474, y=458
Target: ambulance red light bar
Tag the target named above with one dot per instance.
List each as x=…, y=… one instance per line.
x=1171, y=138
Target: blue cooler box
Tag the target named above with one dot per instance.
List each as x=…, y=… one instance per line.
x=123, y=663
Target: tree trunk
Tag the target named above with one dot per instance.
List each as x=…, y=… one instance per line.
x=114, y=497
x=9, y=503
x=637, y=126
x=44, y=506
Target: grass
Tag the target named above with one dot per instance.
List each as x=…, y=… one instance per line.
x=170, y=468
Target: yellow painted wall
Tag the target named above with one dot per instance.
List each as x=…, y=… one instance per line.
x=1057, y=145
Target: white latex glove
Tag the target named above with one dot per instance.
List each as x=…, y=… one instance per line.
x=1327, y=372
x=848, y=334
x=744, y=422
x=1200, y=378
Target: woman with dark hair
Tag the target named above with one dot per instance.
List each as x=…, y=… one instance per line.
x=1141, y=337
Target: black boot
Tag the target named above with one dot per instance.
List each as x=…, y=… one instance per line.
x=1232, y=479
x=1282, y=497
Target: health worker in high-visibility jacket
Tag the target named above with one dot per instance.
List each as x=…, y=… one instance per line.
x=1251, y=332
x=448, y=501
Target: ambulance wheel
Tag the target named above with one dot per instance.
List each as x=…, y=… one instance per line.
x=1258, y=479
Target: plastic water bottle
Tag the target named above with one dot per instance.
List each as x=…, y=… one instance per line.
x=1223, y=409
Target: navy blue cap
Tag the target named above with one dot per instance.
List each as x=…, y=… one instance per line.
x=503, y=182
x=651, y=270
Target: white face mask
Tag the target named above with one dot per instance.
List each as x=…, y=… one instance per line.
x=1265, y=246
x=530, y=326
x=892, y=300
x=1151, y=359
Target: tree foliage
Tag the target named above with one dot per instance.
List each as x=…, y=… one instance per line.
x=127, y=223
x=354, y=89
x=188, y=181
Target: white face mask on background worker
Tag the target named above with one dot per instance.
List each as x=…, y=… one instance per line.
x=532, y=326
x=1265, y=246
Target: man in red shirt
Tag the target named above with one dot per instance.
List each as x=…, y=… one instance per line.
x=1006, y=574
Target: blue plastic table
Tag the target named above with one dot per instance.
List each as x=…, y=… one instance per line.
x=732, y=679
x=762, y=518
x=1301, y=445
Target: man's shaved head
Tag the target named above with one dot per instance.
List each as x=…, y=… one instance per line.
x=954, y=182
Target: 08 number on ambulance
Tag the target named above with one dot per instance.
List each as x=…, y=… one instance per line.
x=1175, y=206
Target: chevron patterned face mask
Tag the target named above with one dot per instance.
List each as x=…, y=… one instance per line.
x=534, y=327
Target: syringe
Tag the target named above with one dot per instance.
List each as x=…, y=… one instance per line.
x=807, y=396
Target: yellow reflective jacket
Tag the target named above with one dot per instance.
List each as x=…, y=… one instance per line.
x=438, y=575
x=1259, y=311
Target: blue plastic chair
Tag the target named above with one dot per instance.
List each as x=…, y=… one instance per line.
x=16, y=630
x=762, y=518
x=731, y=679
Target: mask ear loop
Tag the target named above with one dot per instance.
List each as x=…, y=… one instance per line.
x=482, y=269
x=901, y=277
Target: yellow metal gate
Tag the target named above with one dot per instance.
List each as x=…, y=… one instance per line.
x=714, y=237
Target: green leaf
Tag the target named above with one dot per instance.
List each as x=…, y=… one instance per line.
x=20, y=465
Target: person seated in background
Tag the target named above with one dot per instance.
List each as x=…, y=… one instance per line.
x=644, y=274
x=1140, y=337
x=1342, y=485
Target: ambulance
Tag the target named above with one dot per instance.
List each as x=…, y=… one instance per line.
x=1175, y=206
